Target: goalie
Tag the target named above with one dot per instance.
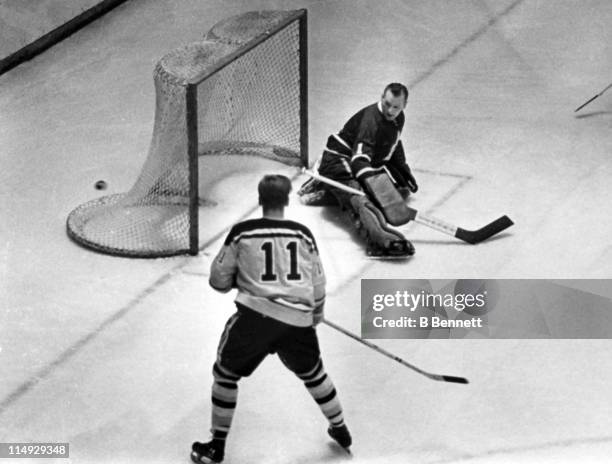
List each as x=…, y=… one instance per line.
x=367, y=154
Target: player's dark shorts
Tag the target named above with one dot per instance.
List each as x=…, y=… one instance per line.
x=249, y=337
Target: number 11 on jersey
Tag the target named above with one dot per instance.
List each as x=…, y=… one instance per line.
x=268, y=251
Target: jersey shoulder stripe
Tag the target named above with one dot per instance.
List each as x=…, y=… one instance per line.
x=272, y=233
x=266, y=227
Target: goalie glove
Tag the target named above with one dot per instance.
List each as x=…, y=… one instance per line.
x=402, y=177
x=406, y=179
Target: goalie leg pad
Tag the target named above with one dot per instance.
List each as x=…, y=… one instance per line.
x=372, y=224
x=385, y=195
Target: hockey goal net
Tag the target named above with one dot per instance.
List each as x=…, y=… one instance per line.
x=240, y=91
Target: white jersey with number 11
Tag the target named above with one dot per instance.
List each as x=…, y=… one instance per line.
x=275, y=265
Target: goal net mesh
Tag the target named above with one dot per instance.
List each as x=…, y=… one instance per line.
x=248, y=82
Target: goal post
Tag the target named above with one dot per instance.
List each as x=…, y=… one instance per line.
x=242, y=90
x=191, y=113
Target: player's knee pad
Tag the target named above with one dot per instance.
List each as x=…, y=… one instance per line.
x=372, y=223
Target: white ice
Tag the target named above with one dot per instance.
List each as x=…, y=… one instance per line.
x=114, y=355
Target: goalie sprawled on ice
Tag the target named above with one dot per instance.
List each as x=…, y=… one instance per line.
x=367, y=154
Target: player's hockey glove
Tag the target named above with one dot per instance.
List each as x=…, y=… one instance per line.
x=317, y=315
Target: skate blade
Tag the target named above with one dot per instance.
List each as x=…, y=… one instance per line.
x=340, y=450
x=199, y=459
x=380, y=257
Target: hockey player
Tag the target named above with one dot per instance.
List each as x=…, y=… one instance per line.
x=274, y=264
x=367, y=154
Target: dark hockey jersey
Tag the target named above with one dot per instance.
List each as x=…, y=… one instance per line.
x=275, y=265
x=366, y=142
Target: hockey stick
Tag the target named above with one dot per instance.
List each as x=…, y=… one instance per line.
x=469, y=236
x=590, y=100
x=442, y=378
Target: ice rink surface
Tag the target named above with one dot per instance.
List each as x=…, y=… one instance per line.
x=114, y=355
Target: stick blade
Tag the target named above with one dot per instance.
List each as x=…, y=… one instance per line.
x=453, y=379
x=480, y=235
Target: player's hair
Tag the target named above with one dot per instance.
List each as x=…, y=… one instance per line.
x=397, y=89
x=274, y=191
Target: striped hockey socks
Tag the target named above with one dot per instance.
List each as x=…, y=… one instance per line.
x=224, y=397
x=322, y=389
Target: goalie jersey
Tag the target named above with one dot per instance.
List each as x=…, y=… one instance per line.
x=275, y=265
x=366, y=143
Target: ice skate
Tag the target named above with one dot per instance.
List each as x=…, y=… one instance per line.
x=206, y=453
x=341, y=435
x=396, y=249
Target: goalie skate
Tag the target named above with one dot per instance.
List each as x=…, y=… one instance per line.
x=396, y=250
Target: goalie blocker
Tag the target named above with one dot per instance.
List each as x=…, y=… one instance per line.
x=382, y=191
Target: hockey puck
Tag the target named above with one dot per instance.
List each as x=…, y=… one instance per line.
x=100, y=185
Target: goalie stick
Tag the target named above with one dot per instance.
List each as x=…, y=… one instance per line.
x=469, y=236
x=429, y=375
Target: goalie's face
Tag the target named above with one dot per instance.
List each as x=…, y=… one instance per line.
x=391, y=105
